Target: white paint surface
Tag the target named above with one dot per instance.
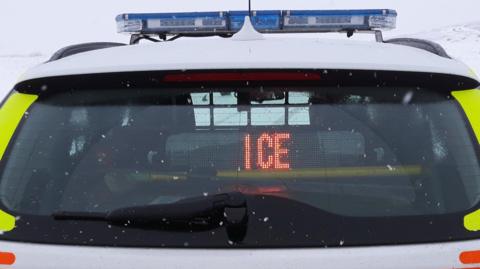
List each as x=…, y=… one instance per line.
x=426, y=256
x=273, y=52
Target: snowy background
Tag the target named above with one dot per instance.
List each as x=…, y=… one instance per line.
x=33, y=30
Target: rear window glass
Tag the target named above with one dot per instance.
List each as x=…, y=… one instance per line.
x=353, y=152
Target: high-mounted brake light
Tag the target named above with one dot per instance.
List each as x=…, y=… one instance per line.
x=242, y=76
x=228, y=23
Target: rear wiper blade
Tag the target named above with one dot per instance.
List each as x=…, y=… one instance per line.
x=203, y=212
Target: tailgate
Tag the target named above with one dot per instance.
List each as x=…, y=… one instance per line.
x=424, y=256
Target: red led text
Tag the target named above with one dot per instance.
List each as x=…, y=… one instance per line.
x=269, y=151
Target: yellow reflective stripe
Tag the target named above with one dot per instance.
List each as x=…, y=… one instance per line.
x=7, y=222
x=472, y=221
x=317, y=173
x=11, y=115
x=470, y=102
x=302, y=173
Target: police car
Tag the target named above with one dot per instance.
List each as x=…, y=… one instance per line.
x=217, y=145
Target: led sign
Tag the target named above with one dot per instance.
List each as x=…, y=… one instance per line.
x=267, y=151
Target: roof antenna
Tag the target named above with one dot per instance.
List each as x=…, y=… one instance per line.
x=248, y=32
x=250, y=8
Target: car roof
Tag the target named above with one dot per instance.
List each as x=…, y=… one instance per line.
x=269, y=53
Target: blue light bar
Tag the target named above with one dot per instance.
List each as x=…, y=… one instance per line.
x=266, y=21
x=174, y=23
x=339, y=20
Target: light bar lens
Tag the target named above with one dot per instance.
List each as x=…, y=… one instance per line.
x=338, y=20
x=261, y=20
x=291, y=21
x=385, y=22
x=130, y=25
x=172, y=22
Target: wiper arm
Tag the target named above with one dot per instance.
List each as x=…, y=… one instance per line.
x=205, y=212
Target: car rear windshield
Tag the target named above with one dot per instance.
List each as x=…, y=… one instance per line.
x=320, y=164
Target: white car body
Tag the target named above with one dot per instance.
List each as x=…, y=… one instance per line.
x=421, y=256
x=271, y=53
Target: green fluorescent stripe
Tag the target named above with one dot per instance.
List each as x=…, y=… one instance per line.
x=470, y=102
x=472, y=221
x=11, y=114
x=7, y=222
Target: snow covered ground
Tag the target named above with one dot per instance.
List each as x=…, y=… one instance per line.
x=13, y=65
x=460, y=41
